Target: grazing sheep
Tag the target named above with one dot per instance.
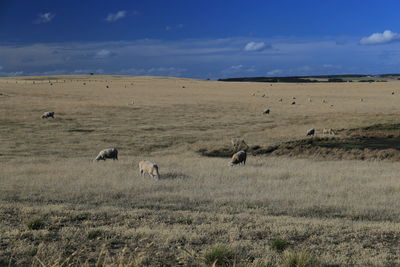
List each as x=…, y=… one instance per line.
x=107, y=86
x=328, y=131
x=108, y=153
x=150, y=167
x=48, y=114
x=280, y=100
x=311, y=132
x=361, y=100
x=323, y=101
x=392, y=92
x=238, y=158
x=266, y=111
x=239, y=144
x=294, y=97
x=263, y=95
x=294, y=103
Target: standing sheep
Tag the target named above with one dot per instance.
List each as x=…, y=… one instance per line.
x=266, y=111
x=150, y=167
x=108, y=153
x=238, y=158
x=48, y=114
x=239, y=144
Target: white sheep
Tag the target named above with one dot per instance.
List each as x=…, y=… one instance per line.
x=108, y=153
x=48, y=114
x=238, y=158
x=150, y=167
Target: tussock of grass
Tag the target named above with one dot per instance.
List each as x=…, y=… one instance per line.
x=298, y=259
x=279, y=244
x=36, y=223
x=219, y=255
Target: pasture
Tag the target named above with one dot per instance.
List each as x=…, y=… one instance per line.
x=58, y=207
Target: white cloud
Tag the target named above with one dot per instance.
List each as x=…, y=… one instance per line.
x=116, y=16
x=103, y=53
x=275, y=72
x=155, y=71
x=45, y=17
x=254, y=46
x=380, y=38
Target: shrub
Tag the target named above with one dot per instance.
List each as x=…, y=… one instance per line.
x=36, y=223
x=278, y=244
x=219, y=255
x=298, y=259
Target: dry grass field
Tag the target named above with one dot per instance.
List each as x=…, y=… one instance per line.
x=59, y=208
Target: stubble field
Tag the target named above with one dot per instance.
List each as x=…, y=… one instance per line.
x=58, y=207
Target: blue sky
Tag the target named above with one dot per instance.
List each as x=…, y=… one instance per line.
x=199, y=39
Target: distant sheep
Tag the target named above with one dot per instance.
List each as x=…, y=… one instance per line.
x=266, y=111
x=294, y=103
x=108, y=153
x=280, y=100
x=392, y=92
x=238, y=158
x=311, y=132
x=323, y=101
x=239, y=144
x=328, y=131
x=149, y=167
x=309, y=100
x=48, y=114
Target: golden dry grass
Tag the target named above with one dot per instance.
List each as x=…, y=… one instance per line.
x=343, y=212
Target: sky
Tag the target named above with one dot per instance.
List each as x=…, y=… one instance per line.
x=207, y=39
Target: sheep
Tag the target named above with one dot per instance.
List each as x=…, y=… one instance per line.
x=294, y=103
x=361, y=100
x=309, y=100
x=108, y=153
x=266, y=111
x=280, y=100
x=392, y=92
x=239, y=144
x=150, y=167
x=311, y=132
x=48, y=114
x=263, y=95
x=328, y=131
x=323, y=101
x=238, y=158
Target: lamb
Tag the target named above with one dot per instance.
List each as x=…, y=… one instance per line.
x=311, y=132
x=108, y=153
x=150, y=167
x=238, y=158
x=48, y=114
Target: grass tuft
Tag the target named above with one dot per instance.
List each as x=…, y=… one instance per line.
x=298, y=259
x=279, y=244
x=36, y=223
x=219, y=255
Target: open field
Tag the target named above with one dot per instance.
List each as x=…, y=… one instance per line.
x=59, y=207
